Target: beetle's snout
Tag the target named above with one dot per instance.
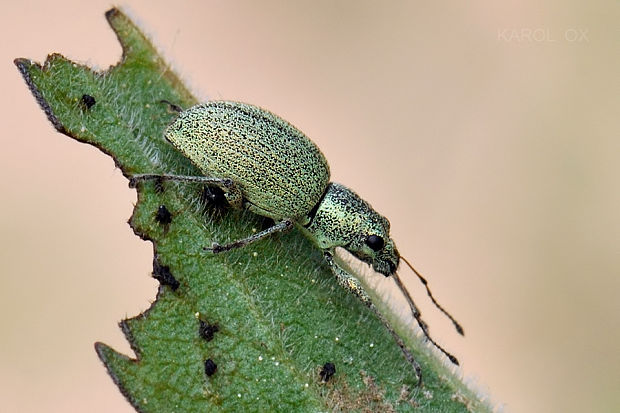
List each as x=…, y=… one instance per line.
x=384, y=266
x=386, y=261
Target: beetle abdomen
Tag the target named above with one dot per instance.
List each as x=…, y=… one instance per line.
x=276, y=167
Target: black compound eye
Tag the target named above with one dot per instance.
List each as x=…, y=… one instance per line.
x=375, y=242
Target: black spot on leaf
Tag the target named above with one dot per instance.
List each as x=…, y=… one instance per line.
x=162, y=274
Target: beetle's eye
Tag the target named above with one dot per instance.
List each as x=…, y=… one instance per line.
x=375, y=242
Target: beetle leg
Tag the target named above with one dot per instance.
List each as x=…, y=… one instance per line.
x=231, y=192
x=278, y=227
x=352, y=285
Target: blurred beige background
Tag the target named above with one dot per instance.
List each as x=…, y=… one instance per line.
x=487, y=133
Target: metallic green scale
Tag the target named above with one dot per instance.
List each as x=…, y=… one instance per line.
x=279, y=171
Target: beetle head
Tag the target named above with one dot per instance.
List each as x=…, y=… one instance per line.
x=343, y=219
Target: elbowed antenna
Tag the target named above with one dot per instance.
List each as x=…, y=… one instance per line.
x=418, y=316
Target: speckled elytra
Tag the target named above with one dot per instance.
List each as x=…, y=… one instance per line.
x=264, y=164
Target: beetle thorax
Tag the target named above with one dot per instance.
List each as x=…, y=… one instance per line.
x=343, y=219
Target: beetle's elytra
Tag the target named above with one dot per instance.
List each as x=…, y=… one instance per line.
x=279, y=172
x=264, y=164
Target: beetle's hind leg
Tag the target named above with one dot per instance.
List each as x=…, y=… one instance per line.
x=352, y=285
x=231, y=192
x=281, y=226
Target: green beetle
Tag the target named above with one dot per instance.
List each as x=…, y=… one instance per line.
x=266, y=165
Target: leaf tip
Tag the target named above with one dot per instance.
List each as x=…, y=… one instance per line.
x=25, y=67
x=118, y=366
x=112, y=13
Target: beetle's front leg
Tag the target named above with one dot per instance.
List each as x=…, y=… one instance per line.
x=352, y=285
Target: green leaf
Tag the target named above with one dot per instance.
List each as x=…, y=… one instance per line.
x=279, y=312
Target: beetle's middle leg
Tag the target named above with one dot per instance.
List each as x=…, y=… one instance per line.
x=281, y=226
x=352, y=285
x=231, y=191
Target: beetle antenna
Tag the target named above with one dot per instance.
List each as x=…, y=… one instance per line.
x=418, y=317
x=458, y=327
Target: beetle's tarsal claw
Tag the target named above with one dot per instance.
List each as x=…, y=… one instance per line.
x=133, y=182
x=454, y=359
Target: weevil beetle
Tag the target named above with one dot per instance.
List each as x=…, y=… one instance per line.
x=264, y=164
